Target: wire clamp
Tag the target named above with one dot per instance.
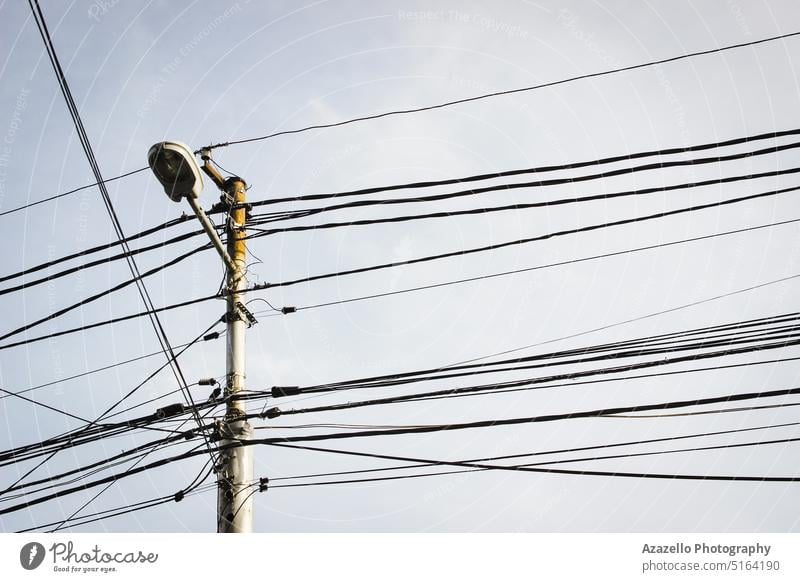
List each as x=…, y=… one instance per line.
x=263, y=484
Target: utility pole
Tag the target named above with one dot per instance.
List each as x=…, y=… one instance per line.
x=174, y=165
x=235, y=477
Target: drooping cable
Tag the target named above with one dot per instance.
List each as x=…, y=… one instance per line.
x=507, y=92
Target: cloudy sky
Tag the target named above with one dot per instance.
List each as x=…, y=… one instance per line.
x=207, y=72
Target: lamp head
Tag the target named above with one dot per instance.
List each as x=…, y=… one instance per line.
x=174, y=165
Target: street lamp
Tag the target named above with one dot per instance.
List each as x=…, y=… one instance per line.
x=174, y=165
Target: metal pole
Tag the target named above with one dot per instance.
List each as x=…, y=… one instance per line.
x=234, y=502
x=211, y=232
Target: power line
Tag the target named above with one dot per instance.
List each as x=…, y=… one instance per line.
x=481, y=211
x=96, y=370
x=331, y=303
x=540, y=469
x=506, y=92
x=103, y=261
x=71, y=438
x=711, y=336
x=87, y=148
x=533, y=170
x=57, y=196
x=521, y=241
x=109, y=321
x=303, y=213
x=445, y=214
x=539, y=267
x=597, y=413
x=534, y=454
x=572, y=383
x=136, y=279
x=558, y=182
x=450, y=392
x=196, y=482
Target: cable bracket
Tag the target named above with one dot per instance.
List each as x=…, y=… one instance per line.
x=245, y=314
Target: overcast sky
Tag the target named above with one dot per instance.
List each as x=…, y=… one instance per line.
x=205, y=72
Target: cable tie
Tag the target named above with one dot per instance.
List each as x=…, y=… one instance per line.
x=179, y=496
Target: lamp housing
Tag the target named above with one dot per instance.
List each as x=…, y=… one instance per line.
x=174, y=165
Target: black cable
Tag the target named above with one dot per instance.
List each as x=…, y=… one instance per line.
x=293, y=214
x=539, y=453
x=57, y=196
x=86, y=144
x=712, y=336
x=71, y=435
x=531, y=381
x=538, y=267
x=64, y=310
x=109, y=321
x=516, y=242
x=43, y=405
x=603, y=412
x=597, y=413
x=102, y=515
x=111, y=461
x=491, y=209
x=327, y=304
x=196, y=481
x=76, y=438
x=539, y=469
x=244, y=502
x=90, y=372
x=536, y=386
x=103, y=481
x=534, y=170
x=444, y=214
x=506, y=92
x=95, y=263
x=561, y=181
